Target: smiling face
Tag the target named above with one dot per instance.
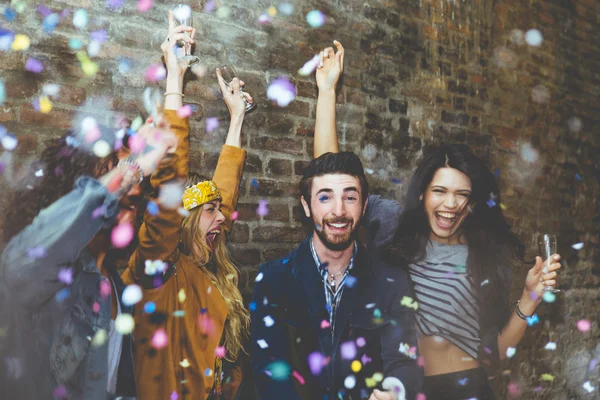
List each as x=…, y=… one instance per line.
x=211, y=221
x=335, y=209
x=447, y=204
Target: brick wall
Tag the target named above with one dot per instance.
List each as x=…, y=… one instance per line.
x=417, y=73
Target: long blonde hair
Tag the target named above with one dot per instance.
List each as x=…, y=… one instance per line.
x=225, y=275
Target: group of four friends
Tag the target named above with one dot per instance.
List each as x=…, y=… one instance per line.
x=379, y=301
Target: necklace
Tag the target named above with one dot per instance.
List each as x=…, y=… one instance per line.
x=332, y=276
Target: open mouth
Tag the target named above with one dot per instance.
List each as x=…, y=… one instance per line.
x=445, y=220
x=338, y=227
x=211, y=236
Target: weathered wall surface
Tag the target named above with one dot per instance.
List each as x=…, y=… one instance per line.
x=417, y=73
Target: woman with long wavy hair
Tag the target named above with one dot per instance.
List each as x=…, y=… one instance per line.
x=191, y=323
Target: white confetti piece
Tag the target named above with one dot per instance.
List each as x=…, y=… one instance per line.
x=262, y=343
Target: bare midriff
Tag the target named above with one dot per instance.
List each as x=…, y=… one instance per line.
x=442, y=357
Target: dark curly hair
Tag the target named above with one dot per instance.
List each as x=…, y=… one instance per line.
x=62, y=163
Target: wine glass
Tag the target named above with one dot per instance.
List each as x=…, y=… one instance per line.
x=182, y=14
x=228, y=73
x=547, y=245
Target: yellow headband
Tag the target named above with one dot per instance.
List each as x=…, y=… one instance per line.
x=199, y=194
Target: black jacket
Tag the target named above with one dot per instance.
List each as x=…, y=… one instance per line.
x=290, y=291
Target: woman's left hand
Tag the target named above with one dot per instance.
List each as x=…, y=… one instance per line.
x=542, y=275
x=233, y=96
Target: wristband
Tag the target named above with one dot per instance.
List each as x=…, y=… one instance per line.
x=131, y=162
x=520, y=313
x=174, y=93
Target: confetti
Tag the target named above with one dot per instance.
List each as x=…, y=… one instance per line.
x=209, y=6
x=510, y=352
x=487, y=281
x=159, y=339
x=179, y=313
x=309, y=67
x=99, y=338
x=350, y=382
x=51, y=89
x=421, y=396
x=259, y=277
x=262, y=343
x=574, y=124
x=185, y=111
x=80, y=18
x=101, y=148
x=550, y=346
x=149, y=307
x=280, y=370
x=534, y=38
x=365, y=359
x=174, y=395
x=122, y=235
x=588, y=387
x=155, y=73
x=223, y=12
x=361, y=342
x=220, y=352
x=408, y=351
x=549, y=297
x=269, y=321
x=152, y=208
x=262, y=209
x=316, y=362
x=534, y=319
x=356, y=366
x=325, y=324
x=21, y=43
x=547, y=377
x=409, y=302
x=35, y=253
x=286, y=9
x=528, y=153
x=281, y=91
x=114, y=4
x=185, y=363
x=540, y=94
x=50, y=22
x=348, y=350
x=350, y=281
x=132, y=294
x=124, y=324
x=144, y=5
x=96, y=307
x=298, y=377
x=75, y=44
x=60, y=392
x=463, y=381
x=34, y=65
x=170, y=195
x=265, y=19
x=65, y=275
x=584, y=325
x=212, y=123
x=234, y=216
x=105, y=288
x=254, y=183
x=315, y=18
x=181, y=295
x=2, y=92
x=182, y=13
x=62, y=295
x=578, y=246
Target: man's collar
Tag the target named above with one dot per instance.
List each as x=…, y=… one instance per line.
x=318, y=259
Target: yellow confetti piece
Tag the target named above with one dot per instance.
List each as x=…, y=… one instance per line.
x=21, y=42
x=124, y=324
x=409, y=302
x=99, y=338
x=185, y=363
x=89, y=68
x=181, y=295
x=45, y=105
x=502, y=206
x=356, y=366
x=370, y=382
x=272, y=11
x=547, y=377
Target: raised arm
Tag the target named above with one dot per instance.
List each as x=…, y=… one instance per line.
x=230, y=166
x=328, y=73
x=159, y=233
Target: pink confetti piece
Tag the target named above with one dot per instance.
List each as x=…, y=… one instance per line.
x=220, y=352
x=325, y=324
x=212, y=123
x=185, y=111
x=265, y=19
x=514, y=389
x=206, y=325
x=60, y=392
x=144, y=5
x=234, y=216
x=584, y=325
x=421, y=396
x=174, y=395
x=420, y=361
x=298, y=377
x=281, y=91
x=65, y=275
x=105, y=288
x=96, y=307
x=159, y=339
x=34, y=65
x=361, y=342
x=122, y=235
x=137, y=144
x=155, y=73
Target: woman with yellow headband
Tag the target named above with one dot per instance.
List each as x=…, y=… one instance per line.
x=191, y=323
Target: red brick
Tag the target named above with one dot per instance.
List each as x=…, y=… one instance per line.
x=280, y=145
x=27, y=143
x=279, y=234
x=57, y=118
x=7, y=113
x=71, y=95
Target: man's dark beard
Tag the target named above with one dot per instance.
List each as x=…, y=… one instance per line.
x=336, y=246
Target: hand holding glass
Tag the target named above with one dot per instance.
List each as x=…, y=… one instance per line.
x=228, y=73
x=548, y=246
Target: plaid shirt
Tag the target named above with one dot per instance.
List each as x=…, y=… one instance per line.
x=333, y=293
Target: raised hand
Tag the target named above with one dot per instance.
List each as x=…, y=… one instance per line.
x=159, y=141
x=233, y=96
x=169, y=47
x=331, y=66
x=542, y=275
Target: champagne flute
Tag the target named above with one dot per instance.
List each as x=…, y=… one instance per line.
x=547, y=246
x=228, y=73
x=183, y=16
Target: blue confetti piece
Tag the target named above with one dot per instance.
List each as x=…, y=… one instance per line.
x=203, y=311
x=152, y=208
x=350, y=281
x=149, y=307
x=496, y=173
x=328, y=308
x=50, y=22
x=207, y=372
x=254, y=183
x=534, y=319
x=491, y=203
x=463, y=381
x=579, y=178
x=252, y=306
x=75, y=44
x=396, y=180
x=179, y=313
x=9, y=14
x=62, y=295
x=286, y=260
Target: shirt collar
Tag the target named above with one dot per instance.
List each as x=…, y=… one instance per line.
x=318, y=261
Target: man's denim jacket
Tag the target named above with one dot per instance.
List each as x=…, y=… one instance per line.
x=51, y=325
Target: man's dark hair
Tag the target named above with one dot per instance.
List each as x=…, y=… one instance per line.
x=344, y=162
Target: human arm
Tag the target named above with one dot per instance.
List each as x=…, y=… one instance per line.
x=328, y=73
x=230, y=166
x=513, y=331
x=381, y=219
x=275, y=336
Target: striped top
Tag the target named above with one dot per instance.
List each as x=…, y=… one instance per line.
x=447, y=299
